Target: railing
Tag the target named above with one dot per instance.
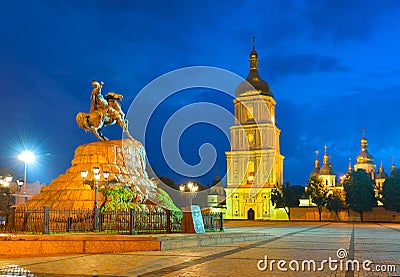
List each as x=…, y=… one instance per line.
x=47, y=221
x=50, y=221
x=213, y=221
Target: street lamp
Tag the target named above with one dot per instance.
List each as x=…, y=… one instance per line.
x=95, y=184
x=106, y=174
x=6, y=181
x=26, y=157
x=191, y=188
x=84, y=174
x=9, y=179
x=20, y=183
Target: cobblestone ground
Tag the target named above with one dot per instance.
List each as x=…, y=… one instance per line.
x=296, y=244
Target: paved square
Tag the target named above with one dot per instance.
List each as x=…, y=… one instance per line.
x=296, y=244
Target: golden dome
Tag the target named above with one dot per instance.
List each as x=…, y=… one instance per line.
x=253, y=80
x=326, y=169
x=364, y=157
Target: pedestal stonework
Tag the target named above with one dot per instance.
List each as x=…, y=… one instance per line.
x=124, y=159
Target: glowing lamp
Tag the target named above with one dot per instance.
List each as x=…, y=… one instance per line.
x=84, y=174
x=96, y=170
x=97, y=176
x=106, y=174
x=26, y=156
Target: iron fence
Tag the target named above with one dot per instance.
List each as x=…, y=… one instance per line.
x=213, y=221
x=47, y=221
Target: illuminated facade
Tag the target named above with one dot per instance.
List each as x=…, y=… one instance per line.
x=364, y=161
x=255, y=164
x=325, y=173
x=380, y=179
x=216, y=196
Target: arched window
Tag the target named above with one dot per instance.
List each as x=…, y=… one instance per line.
x=250, y=172
x=249, y=112
x=250, y=138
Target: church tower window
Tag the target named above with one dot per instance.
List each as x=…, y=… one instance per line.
x=249, y=113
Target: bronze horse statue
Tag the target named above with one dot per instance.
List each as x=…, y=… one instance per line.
x=103, y=112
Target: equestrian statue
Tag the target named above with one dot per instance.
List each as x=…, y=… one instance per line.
x=103, y=112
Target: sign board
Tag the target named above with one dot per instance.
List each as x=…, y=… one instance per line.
x=197, y=219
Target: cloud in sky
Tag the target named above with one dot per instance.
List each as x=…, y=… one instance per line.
x=333, y=67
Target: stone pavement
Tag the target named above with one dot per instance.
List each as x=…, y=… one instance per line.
x=291, y=245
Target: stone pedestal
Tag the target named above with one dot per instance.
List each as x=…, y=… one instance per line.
x=125, y=160
x=187, y=223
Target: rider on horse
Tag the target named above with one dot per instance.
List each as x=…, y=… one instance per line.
x=98, y=101
x=103, y=112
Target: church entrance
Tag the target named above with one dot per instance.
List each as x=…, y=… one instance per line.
x=250, y=214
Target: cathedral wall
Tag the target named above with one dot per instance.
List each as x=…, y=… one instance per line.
x=239, y=202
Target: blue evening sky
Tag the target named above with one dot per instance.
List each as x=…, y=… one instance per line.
x=333, y=67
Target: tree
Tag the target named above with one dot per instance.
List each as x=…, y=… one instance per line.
x=318, y=192
x=169, y=182
x=336, y=202
x=287, y=197
x=391, y=191
x=359, y=188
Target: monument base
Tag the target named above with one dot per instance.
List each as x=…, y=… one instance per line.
x=125, y=160
x=187, y=223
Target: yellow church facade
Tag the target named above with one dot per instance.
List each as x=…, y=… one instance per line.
x=254, y=163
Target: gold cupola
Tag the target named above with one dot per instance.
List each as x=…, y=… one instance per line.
x=254, y=83
x=364, y=157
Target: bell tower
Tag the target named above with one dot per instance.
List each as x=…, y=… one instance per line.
x=254, y=162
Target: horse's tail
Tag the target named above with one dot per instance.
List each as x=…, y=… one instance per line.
x=82, y=120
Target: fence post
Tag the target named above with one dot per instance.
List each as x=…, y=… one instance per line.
x=11, y=222
x=132, y=222
x=221, y=228
x=168, y=221
x=69, y=223
x=46, y=219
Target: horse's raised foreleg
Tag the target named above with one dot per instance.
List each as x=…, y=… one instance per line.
x=127, y=132
x=124, y=125
x=98, y=134
x=101, y=134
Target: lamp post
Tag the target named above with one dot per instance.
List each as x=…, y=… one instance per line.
x=106, y=174
x=191, y=188
x=20, y=183
x=94, y=184
x=96, y=171
x=26, y=157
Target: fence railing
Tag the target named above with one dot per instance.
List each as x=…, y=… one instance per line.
x=213, y=221
x=131, y=221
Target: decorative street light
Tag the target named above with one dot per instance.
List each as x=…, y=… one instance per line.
x=20, y=183
x=26, y=157
x=106, y=174
x=191, y=188
x=94, y=184
x=6, y=181
x=9, y=179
